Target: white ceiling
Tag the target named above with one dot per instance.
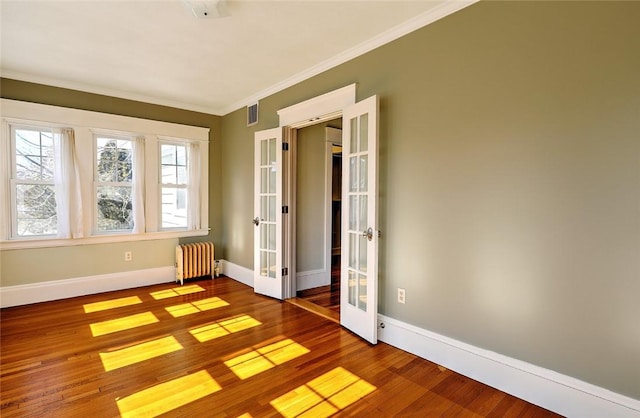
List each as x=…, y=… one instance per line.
x=157, y=52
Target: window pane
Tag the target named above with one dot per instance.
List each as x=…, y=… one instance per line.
x=114, y=208
x=36, y=210
x=34, y=154
x=182, y=175
x=168, y=153
x=174, y=208
x=114, y=160
x=181, y=155
x=168, y=175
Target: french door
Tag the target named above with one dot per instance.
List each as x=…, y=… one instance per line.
x=268, y=220
x=359, y=269
x=272, y=236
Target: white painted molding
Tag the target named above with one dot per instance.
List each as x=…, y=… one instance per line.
x=445, y=9
x=312, y=278
x=68, y=288
x=551, y=390
x=237, y=272
x=326, y=106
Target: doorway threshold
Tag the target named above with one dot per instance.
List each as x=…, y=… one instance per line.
x=316, y=309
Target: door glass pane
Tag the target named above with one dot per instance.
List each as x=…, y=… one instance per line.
x=364, y=132
x=362, y=254
x=264, y=177
x=353, y=213
x=264, y=208
x=353, y=138
x=272, y=209
x=264, y=267
x=272, y=180
x=353, y=174
x=353, y=239
x=272, y=237
x=272, y=151
x=351, y=282
x=263, y=236
x=272, y=265
x=363, y=213
x=362, y=292
x=364, y=166
x=264, y=156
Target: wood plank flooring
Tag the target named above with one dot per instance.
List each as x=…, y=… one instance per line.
x=213, y=348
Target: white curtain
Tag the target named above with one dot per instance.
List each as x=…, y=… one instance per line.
x=138, y=192
x=193, y=190
x=67, y=185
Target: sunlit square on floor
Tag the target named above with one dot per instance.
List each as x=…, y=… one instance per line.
x=111, y=304
x=167, y=396
x=197, y=306
x=176, y=291
x=257, y=361
x=121, y=324
x=324, y=395
x=225, y=327
x=140, y=352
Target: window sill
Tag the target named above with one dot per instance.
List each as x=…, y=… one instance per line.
x=101, y=239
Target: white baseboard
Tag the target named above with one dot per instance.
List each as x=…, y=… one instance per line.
x=237, y=272
x=551, y=390
x=68, y=288
x=312, y=278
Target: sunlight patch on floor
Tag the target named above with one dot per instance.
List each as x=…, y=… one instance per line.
x=323, y=396
x=139, y=352
x=176, y=291
x=167, y=396
x=197, y=306
x=225, y=327
x=124, y=323
x=111, y=304
x=259, y=360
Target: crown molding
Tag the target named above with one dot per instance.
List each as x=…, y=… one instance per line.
x=445, y=8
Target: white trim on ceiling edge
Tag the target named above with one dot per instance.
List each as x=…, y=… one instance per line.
x=551, y=390
x=444, y=9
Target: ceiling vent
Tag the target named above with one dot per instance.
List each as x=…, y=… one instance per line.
x=252, y=114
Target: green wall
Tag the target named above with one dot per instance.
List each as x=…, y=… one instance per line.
x=46, y=264
x=509, y=173
x=310, y=198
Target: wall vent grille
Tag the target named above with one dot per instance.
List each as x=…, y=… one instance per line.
x=252, y=114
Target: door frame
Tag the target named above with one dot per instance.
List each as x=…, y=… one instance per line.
x=310, y=112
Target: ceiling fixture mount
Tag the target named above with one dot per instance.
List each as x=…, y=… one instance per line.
x=207, y=9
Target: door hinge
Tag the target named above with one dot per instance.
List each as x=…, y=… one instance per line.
x=285, y=271
x=285, y=146
x=285, y=209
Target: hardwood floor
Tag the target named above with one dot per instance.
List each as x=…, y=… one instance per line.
x=213, y=348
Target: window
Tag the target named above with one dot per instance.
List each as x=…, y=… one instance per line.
x=174, y=184
x=113, y=184
x=33, y=194
x=89, y=177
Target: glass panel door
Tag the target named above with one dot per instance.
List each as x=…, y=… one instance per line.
x=359, y=303
x=268, y=217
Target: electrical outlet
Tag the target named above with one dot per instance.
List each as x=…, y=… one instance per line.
x=401, y=295
x=128, y=256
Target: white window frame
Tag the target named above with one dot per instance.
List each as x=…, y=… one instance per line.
x=161, y=185
x=14, y=181
x=97, y=183
x=85, y=124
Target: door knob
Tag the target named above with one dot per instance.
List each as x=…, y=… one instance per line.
x=256, y=221
x=368, y=234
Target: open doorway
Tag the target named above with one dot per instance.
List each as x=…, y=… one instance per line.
x=318, y=194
